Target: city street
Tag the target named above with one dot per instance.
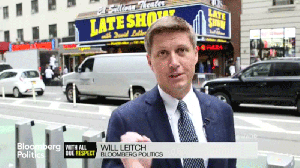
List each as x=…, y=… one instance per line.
x=276, y=129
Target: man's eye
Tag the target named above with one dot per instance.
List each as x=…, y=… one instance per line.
x=162, y=53
x=181, y=50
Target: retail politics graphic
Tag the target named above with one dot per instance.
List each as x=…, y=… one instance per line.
x=205, y=20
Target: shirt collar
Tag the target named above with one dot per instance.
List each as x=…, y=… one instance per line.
x=171, y=102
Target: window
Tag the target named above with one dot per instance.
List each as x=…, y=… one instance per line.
x=272, y=43
x=35, y=33
x=5, y=12
x=91, y=1
x=6, y=75
x=19, y=9
x=52, y=31
x=51, y=5
x=88, y=65
x=6, y=36
x=71, y=3
x=4, y=67
x=34, y=6
x=20, y=35
x=260, y=70
x=282, y=2
x=287, y=69
x=71, y=28
x=30, y=74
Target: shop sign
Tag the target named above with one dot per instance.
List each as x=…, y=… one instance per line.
x=84, y=48
x=124, y=8
x=290, y=32
x=36, y=45
x=126, y=42
x=205, y=20
x=254, y=34
x=215, y=40
x=69, y=46
x=210, y=47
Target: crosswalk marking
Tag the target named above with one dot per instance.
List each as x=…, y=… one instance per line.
x=262, y=125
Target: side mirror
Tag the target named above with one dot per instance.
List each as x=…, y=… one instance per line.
x=240, y=78
x=77, y=69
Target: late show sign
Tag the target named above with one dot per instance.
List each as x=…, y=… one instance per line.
x=205, y=20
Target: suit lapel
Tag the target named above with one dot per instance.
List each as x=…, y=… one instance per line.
x=208, y=115
x=159, y=122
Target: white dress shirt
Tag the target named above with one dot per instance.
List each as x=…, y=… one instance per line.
x=194, y=109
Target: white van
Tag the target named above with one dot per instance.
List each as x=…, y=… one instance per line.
x=110, y=75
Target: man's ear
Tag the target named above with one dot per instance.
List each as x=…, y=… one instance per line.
x=196, y=55
x=149, y=61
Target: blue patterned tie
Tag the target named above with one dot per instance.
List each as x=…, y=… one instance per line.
x=187, y=133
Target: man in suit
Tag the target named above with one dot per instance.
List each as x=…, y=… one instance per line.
x=172, y=111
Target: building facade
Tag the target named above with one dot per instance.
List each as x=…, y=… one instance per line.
x=121, y=27
x=24, y=21
x=270, y=29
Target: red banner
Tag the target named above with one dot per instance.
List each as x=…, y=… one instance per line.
x=42, y=45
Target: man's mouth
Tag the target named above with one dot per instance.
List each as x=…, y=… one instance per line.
x=174, y=76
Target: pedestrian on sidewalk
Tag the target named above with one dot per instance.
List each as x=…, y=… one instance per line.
x=65, y=70
x=232, y=69
x=48, y=74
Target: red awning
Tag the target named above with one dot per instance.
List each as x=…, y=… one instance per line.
x=4, y=46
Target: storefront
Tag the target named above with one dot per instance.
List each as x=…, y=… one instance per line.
x=45, y=49
x=268, y=44
x=123, y=30
x=72, y=54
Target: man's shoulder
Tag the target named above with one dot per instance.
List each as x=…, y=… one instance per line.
x=133, y=107
x=211, y=101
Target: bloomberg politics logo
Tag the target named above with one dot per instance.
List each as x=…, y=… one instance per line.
x=199, y=23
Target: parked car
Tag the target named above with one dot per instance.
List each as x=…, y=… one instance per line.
x=275, y=82
x=20, y=81
x=110, y=75
x=4, y=66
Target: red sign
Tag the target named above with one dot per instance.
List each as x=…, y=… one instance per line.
x=42, y=45
x=211, y=47
x=69, y=46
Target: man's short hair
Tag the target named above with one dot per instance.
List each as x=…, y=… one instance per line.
x=169, y=24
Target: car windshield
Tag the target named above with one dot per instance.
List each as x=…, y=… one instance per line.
x=4, y=67
x=30, y=74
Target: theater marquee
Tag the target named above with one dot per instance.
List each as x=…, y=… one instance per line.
x=206, y=21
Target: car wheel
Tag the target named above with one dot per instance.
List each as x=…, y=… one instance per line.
x=40, y=93
x=298, y=107
x=223, y=97
x=16, y=92
x=69, y=94
x=137, y=93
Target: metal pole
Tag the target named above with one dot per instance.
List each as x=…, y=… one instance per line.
x=74, y=95
x=33, y=93
x=131, y=93
x=3, y=93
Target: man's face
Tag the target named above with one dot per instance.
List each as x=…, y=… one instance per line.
x=173, y=61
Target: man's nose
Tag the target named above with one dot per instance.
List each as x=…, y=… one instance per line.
x=174, y=61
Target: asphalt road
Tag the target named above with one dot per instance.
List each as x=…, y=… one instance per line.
x=275, y=129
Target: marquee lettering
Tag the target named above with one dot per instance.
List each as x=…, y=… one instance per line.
x=138, y=20
x=216, y=19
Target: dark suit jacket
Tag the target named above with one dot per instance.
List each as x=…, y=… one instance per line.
x=147, y=116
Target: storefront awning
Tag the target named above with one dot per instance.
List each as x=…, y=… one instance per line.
x=4, y=46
